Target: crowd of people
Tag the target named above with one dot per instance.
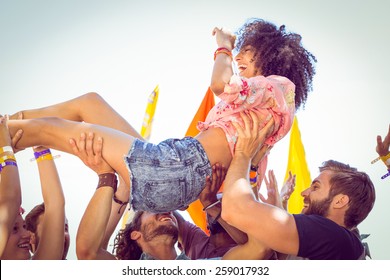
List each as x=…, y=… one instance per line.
x=157, y=181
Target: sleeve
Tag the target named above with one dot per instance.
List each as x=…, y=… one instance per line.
x=235, y=91
x=191, y=235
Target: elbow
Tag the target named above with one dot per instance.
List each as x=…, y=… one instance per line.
x=217, y=88
x=84, y=250
x=228, y=213
x=83, y=253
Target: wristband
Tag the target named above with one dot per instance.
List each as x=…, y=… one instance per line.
x=386, y=175
x=211, y=205
x=7, y=163
x=223, y=50
x=120, y=202
x=107, y=180
x=44, y=157
x=6, y=149
x=7, y=157
x=41, y=153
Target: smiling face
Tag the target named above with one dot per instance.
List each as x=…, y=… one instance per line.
x=154, y=225
x=246, y=63
x=18, y=245
x=316, y=198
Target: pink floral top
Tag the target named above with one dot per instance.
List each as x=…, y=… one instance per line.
x=270, y=97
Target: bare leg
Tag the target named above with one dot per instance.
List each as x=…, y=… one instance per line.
x=55, y=133
x=90, y=108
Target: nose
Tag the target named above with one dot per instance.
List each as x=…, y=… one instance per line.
x=305, y=192
x=237, y=58
x=26, y=234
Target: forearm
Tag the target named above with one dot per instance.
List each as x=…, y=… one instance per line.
x=237, y=190
x=93, y=224
x=117, y=210
x=51, y=244
x=222, y=72
x=10, y=201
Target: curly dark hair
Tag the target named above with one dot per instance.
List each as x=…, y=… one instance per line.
x=278, y=52
x=125, y=247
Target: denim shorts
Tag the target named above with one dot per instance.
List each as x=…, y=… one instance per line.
x=167, y=176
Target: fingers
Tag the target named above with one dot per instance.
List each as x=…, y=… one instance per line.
x=72, y=143
x=89, y=145
x=16, y=138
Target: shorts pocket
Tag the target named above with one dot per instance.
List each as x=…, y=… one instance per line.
x=164, y=195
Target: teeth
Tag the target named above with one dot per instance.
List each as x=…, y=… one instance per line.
x=165, y=219
x=24, y=245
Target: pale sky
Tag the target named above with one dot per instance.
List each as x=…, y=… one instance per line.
x=52, y=51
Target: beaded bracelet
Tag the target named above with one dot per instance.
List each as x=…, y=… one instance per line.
x=223, y=50
x=253, y=175
x=8, y=163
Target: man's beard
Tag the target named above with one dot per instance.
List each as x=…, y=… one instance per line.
x=169, y=230
x=320, y=208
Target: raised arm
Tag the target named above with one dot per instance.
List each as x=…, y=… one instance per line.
x=51, y=244
x=10, y=192
x=118, y=207
x=93, y=225
x=209, y=200
x=222, y=71
x=271, y=226
x=383, y=148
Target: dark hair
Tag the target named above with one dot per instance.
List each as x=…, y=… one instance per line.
x=278, y=52
x=33, y=216
x=125, y=247
x=356, y=185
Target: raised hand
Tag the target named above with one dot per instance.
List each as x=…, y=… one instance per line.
x=89, y=150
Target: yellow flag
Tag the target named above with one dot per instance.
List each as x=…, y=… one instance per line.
x=149, y=114
x=297, y=165
x=145, y=133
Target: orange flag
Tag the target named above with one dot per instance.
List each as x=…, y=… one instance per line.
x=195, y=209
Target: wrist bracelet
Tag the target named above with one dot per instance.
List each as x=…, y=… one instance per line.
x=6, y=149
x=41, y=153
x=107, y=180
x=7, y=157
x=7, y=163
x=386, y=175
x=223, y=50
x=211, y=205
x=120, y=202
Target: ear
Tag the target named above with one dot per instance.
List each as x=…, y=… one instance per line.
x=340, y=200
x=135, y=234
